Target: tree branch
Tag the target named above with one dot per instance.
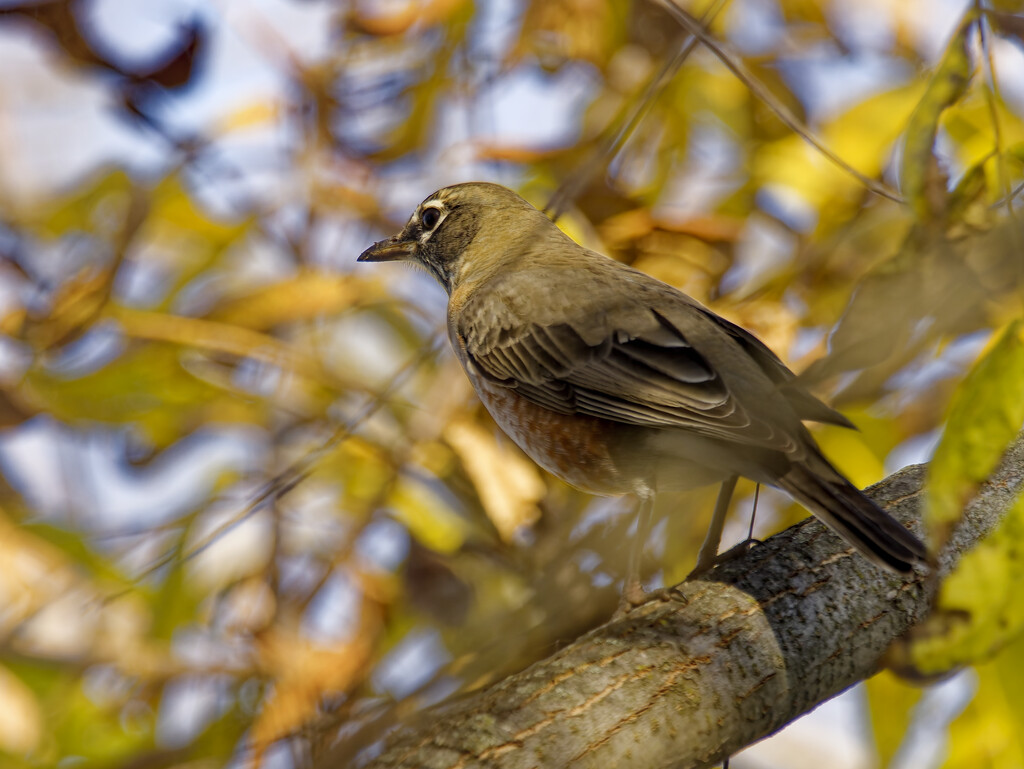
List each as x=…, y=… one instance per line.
x=720, y=663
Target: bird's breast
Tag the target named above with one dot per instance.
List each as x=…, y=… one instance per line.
x=580, y=450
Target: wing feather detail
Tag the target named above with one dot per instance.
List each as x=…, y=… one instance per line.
x=648, y=376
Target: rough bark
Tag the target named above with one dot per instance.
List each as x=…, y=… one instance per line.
x=716, y=664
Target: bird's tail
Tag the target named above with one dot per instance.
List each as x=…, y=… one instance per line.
x=858, y=520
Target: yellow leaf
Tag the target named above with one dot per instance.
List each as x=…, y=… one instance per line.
x=13, y=322
x=556, y=31
x=851, y=454
x=21, y=727
x=862, y=136
x=250, y=115
x=304, y=671
x=428, y=518
x=148, y=386
x=891, y=703
x=306, y=296
x=509, y=484
x=77, y=305
x=174, y=215
x=987, y=733
x=395, y=22
x=211, y=335
x=82, y=211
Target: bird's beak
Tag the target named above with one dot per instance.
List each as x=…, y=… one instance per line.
x=393, y=249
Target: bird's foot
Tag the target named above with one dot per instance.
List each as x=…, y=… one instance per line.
x=634, y=595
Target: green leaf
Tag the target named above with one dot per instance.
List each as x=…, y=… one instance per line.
x=175, y=603
x=196, y=240
x=923, y=182
x=148, y=387
x=78, y=729
x=979, y=610
x=986, y=414
x=94, y=731
x=71, y=543
x=88, y=210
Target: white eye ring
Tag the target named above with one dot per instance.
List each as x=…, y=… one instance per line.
x=431, y=217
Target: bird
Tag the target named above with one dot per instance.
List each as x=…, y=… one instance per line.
x=619, y=383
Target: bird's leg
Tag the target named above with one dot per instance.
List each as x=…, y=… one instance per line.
x=753, y=514
x=737, y=550
x=708, y=555
x=632, y=591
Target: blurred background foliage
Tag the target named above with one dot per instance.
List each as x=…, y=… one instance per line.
x=251, y=512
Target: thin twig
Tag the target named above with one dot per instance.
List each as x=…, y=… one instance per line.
x=992, y=96
x=290, y=477
x=612, y=145
x=734, y=63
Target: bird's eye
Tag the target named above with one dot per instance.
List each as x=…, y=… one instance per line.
x=430, y=218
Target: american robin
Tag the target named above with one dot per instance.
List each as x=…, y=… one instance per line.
x=616, y=382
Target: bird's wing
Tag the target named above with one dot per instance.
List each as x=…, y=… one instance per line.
x=644, y=370
x=804, y=404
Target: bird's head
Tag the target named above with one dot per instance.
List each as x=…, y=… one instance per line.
x=441, y=230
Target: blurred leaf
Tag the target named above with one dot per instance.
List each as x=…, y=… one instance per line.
x=891, y=706
x=1008, y=22
x=1008, y=670
x=986, y=414
x=968, y=206
x=559, y=31
x=174, y=214
x=363, y=469
x=252, y=115
x=803, y=10
x=509, y=485
x=929, y=289
x=94, y=731
x=184, y=236
x=428, y=518
x=222, y=736
x=396, y=21
x=174, y=602
x=304, y=672
x=987, y=733
x=146, y=386
x=851, y=454
x=100, y=204
x=75, y=306
x=425, y=95
x=21, y=728
x=863, y=136
x=60, y=18
x=174, y=68
x=76, y=549
x=306, y=296
x=12, y=411
x=979, y=610
x=217, y=337
x=923, y=182
x=971, y=128
x=434, y=588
